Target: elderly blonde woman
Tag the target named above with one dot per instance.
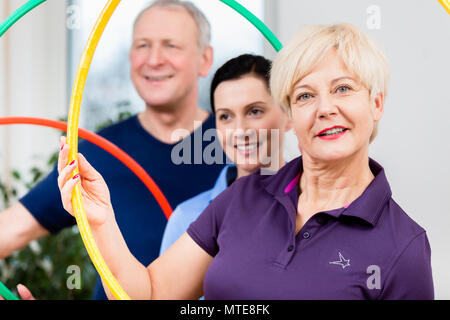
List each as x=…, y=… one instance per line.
x=324, y=227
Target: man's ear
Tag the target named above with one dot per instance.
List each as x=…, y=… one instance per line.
x=378, y=107
x=207, y=58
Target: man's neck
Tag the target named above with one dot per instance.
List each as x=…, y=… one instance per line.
x=162, y=122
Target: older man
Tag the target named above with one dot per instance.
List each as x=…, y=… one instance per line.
x=170, y=51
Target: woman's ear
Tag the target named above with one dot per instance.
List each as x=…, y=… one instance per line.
x=378, y=107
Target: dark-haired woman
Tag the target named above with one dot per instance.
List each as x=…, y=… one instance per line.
x=250, y=127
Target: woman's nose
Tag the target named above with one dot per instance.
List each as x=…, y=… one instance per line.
x=241, y=124
x=326, y=107
x=242, y=130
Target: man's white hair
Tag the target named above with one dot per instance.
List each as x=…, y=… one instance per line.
x=203, y=25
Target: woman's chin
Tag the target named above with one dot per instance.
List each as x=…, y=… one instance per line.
x=332, y=155
x=248, y=167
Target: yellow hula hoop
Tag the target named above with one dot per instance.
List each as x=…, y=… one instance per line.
x=72, y=129
x=72, y=138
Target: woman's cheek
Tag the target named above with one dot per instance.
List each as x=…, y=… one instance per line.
x=227, y=141
x=221, y=136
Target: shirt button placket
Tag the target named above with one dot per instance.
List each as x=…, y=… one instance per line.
x=306, y=235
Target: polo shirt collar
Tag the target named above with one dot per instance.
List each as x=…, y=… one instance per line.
x=368, y=206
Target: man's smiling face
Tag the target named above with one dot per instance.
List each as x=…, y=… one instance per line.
x=165, y=57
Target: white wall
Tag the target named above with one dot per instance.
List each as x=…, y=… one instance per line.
x=412, y=144
x=33, y=81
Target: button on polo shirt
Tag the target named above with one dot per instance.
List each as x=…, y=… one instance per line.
x=320, y=219
x=369, y=249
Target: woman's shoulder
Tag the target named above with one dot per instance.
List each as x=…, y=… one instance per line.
x=377, y=206
x=195, y=204
x=403, y=225
x=407, y=259
x=396, y=233
x=264, y=177
x=261, y=185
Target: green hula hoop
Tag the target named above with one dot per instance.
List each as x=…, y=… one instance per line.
x=19, y=13
x=266, y=32
x=5, y=293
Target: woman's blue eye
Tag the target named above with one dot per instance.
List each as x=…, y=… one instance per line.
x=343, y=89
x=304, y=96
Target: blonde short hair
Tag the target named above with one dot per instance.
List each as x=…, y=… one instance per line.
x=362, y=57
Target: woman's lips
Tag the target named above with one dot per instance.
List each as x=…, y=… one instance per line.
x=333, y=136
x=332, y=133
x=247, y=149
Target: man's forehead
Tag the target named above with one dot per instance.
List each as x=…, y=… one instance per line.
x=166, y=22
x=161, y=15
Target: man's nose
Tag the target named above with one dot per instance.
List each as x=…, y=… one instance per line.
x=156, y=56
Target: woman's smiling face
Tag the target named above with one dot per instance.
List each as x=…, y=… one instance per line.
x=333, y=116
x=250, y=125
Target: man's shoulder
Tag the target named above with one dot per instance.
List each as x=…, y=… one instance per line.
x=210, y=122
x=132, y=125
x=119, y=134
x=118, y=127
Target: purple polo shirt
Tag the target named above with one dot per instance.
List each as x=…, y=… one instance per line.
x=371, y=249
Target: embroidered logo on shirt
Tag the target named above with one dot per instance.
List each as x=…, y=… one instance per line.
x=342, y=261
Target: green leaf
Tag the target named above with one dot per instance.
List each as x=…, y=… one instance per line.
x=16, y=174
x=53, y=159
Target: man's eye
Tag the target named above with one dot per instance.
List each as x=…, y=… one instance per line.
x=142, y=45
x=304, y=96
x=224, y=117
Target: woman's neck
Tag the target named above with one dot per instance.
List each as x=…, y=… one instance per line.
x=332, y=185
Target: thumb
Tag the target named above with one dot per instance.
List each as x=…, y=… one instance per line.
x=24, y=293
x=62, y=140
x=87, y=171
